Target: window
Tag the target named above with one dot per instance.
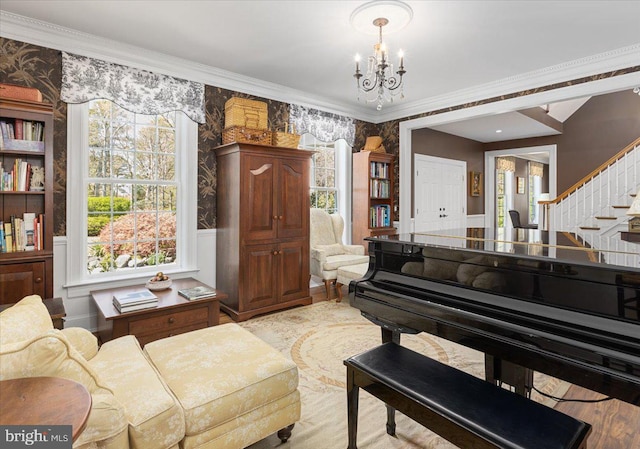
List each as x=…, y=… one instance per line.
x=504, y=197
x=330, y=178
x=535, y=190
x=323, y=191
x=131, y=201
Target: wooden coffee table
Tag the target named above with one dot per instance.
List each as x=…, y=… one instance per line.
x=173, y=314
x=44, y=401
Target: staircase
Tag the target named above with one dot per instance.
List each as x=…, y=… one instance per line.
x=594, y=209
x=599, y=201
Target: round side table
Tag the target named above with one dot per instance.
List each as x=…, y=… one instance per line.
x=45, y=401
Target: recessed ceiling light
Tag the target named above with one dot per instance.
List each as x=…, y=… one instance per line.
x=498, y=130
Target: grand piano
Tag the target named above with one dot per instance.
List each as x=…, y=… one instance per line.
x=528, y=298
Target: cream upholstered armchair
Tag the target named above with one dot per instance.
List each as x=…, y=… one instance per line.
x=328, y=253
x=219, y=387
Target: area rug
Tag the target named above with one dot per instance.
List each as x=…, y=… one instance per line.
x=318, y=338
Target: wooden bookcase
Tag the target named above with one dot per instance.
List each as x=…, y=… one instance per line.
x=373, y=196
x=24, y=273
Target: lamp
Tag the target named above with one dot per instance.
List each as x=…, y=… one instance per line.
x=634, y=212
x=380, y=83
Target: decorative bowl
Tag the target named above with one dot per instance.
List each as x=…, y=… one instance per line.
x=158, y=285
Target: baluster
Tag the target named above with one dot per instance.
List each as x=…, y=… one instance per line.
x=600, y=206
x=593, y=199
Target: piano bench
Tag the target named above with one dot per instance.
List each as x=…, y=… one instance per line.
x=459, y=407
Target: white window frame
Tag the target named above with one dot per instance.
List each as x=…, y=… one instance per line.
x=343, y=160
x=78, y=281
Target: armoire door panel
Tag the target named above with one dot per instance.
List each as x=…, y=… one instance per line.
x=259, y=208
x=259, y=275
x=294, y=269
x=294, y=207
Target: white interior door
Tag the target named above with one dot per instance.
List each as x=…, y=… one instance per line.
x=440, y=193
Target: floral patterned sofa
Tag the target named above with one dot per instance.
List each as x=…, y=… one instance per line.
x=219, y=387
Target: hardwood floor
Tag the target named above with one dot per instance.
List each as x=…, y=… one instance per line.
x=615, y=423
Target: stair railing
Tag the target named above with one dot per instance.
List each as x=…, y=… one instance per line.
x=596, y=194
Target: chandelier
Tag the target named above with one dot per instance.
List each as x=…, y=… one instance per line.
x=380, y=83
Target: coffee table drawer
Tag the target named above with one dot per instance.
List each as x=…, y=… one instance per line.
x=169, y=321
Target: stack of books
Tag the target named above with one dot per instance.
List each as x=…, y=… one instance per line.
x=130, y=301
x=197, y=292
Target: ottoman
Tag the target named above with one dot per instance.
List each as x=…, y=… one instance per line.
x=234, y=388
x=348, y=274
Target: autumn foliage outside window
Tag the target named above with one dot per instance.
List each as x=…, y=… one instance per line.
x=131, y=189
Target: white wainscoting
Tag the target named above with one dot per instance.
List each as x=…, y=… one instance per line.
x=81, y=311
x=475, y=221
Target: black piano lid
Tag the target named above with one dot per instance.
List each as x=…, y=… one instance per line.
x=554, y=269
x=532, y=243
x=543, y=301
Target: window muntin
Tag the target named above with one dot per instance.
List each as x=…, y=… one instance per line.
x=323, y=188
x=132, y=188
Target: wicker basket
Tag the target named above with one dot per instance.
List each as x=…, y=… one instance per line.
x=286, y=139
x=241, y=134
x=245, y=113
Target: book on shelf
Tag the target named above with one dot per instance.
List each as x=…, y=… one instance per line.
x=18, y=129
x=22, y=233
x=380, y=216
x=198, y=292
x=126, y=299
x=17, y=177
x=8, y=237
x=21, y=135
x=29, y=219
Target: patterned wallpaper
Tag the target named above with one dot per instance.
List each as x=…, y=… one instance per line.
x=40, y=67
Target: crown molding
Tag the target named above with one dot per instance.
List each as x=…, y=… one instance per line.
x=572, y=70
x=37, y=32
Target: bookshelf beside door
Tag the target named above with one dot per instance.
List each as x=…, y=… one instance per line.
x=27, y=271
x=373, y=195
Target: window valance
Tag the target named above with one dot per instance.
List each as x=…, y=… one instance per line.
x=507, y=163
x=536, y=169
x=324, y=126
x=85, y=79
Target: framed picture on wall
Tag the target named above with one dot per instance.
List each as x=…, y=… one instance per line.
x=475, y=183
x=520, y=185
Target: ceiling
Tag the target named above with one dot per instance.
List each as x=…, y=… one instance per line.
x=305, y=49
